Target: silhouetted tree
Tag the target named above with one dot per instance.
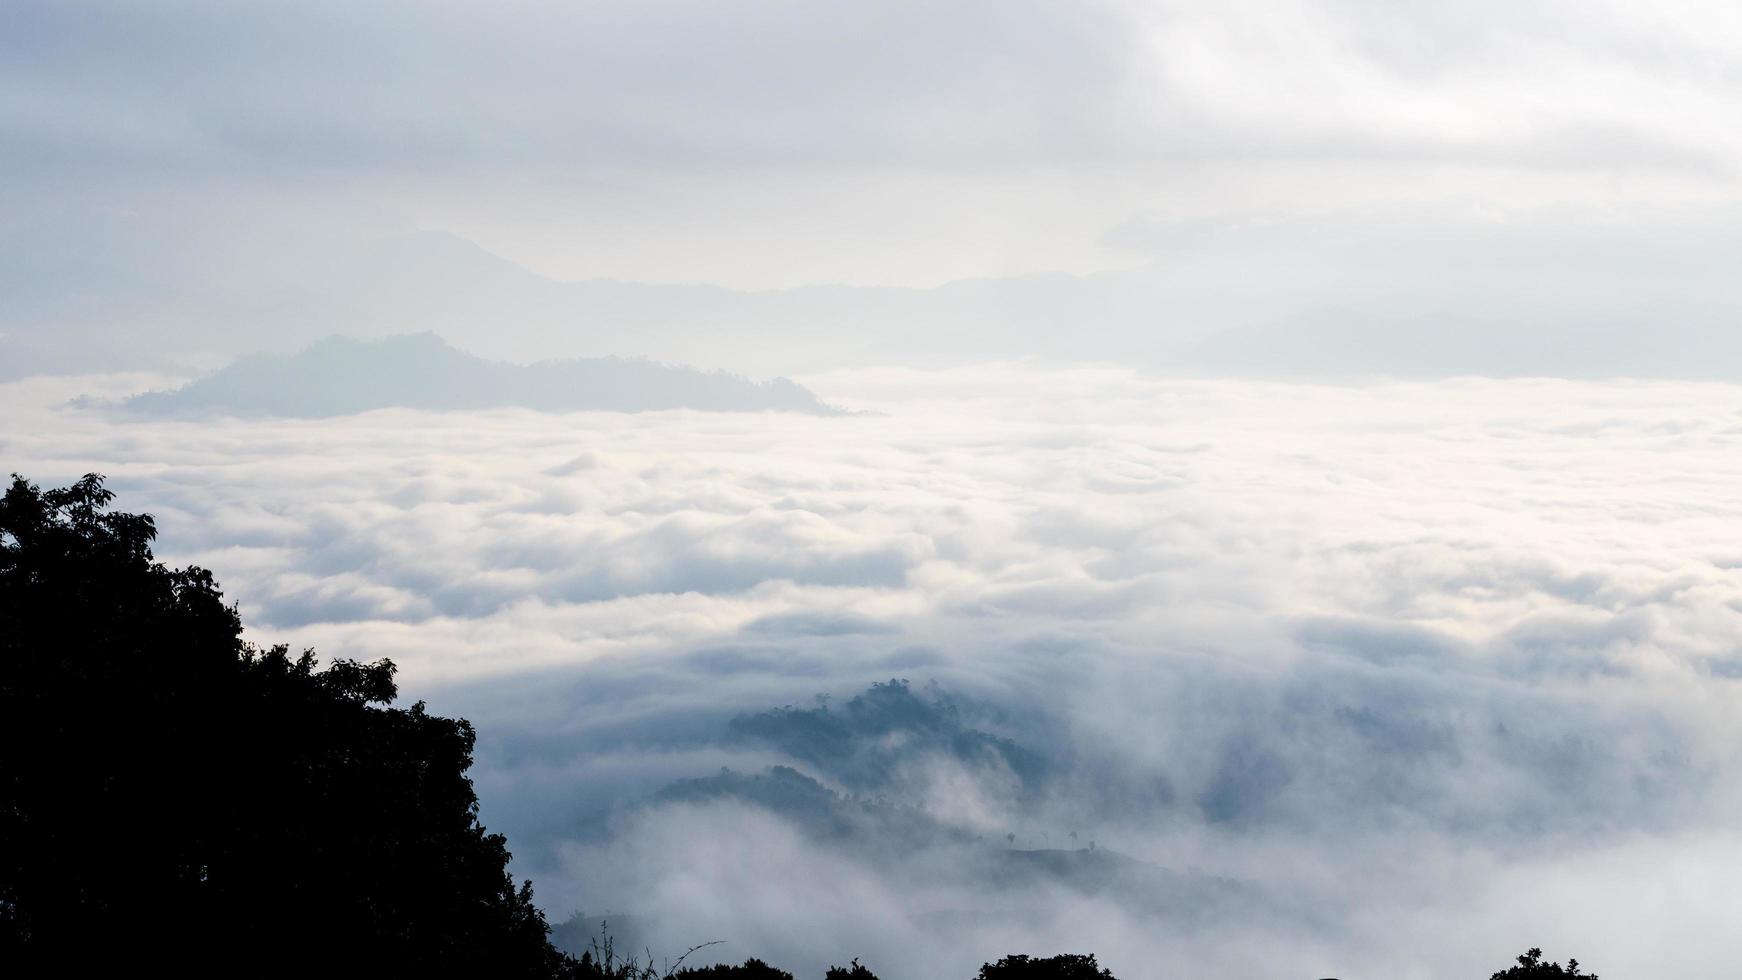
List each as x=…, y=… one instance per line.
x=1065, y=966
x=856, y=972
x=173, y=796
x=750, y=969
x=602, y=962
x=1530, y=966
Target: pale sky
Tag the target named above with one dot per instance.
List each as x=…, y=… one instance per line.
x=777, y=144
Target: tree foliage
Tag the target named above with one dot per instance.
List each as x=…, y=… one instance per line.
x=750, y=969
x=170, y=791
x=1065, y=966
x=1531, y=966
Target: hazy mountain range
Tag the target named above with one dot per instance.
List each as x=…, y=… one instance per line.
x=1333, y=298
x=338, y=376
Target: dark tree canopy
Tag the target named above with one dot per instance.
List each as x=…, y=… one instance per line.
x=750, y=969
x=1531, y=966
x=855, y=972
x=170, y=794
x=1065, y=966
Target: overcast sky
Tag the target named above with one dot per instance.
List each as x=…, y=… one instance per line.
x=769, y=144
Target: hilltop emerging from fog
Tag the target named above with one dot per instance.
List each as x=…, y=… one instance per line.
x=341, y=376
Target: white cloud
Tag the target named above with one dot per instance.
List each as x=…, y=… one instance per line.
x=1393, y=657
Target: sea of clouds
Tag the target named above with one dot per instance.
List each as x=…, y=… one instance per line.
x=1371, y=680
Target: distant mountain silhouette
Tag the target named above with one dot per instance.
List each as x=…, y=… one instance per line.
x=1335, y=297
x=865, y=742
x=341, y=376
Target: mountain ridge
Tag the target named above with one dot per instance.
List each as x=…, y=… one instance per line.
x=343, y=376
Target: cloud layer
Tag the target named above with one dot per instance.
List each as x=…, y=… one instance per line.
x=1390, y=678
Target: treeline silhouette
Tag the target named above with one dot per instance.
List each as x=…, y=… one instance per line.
x=1531, y=966
x=175, y=798
x=602, y=961
x=172, y=791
